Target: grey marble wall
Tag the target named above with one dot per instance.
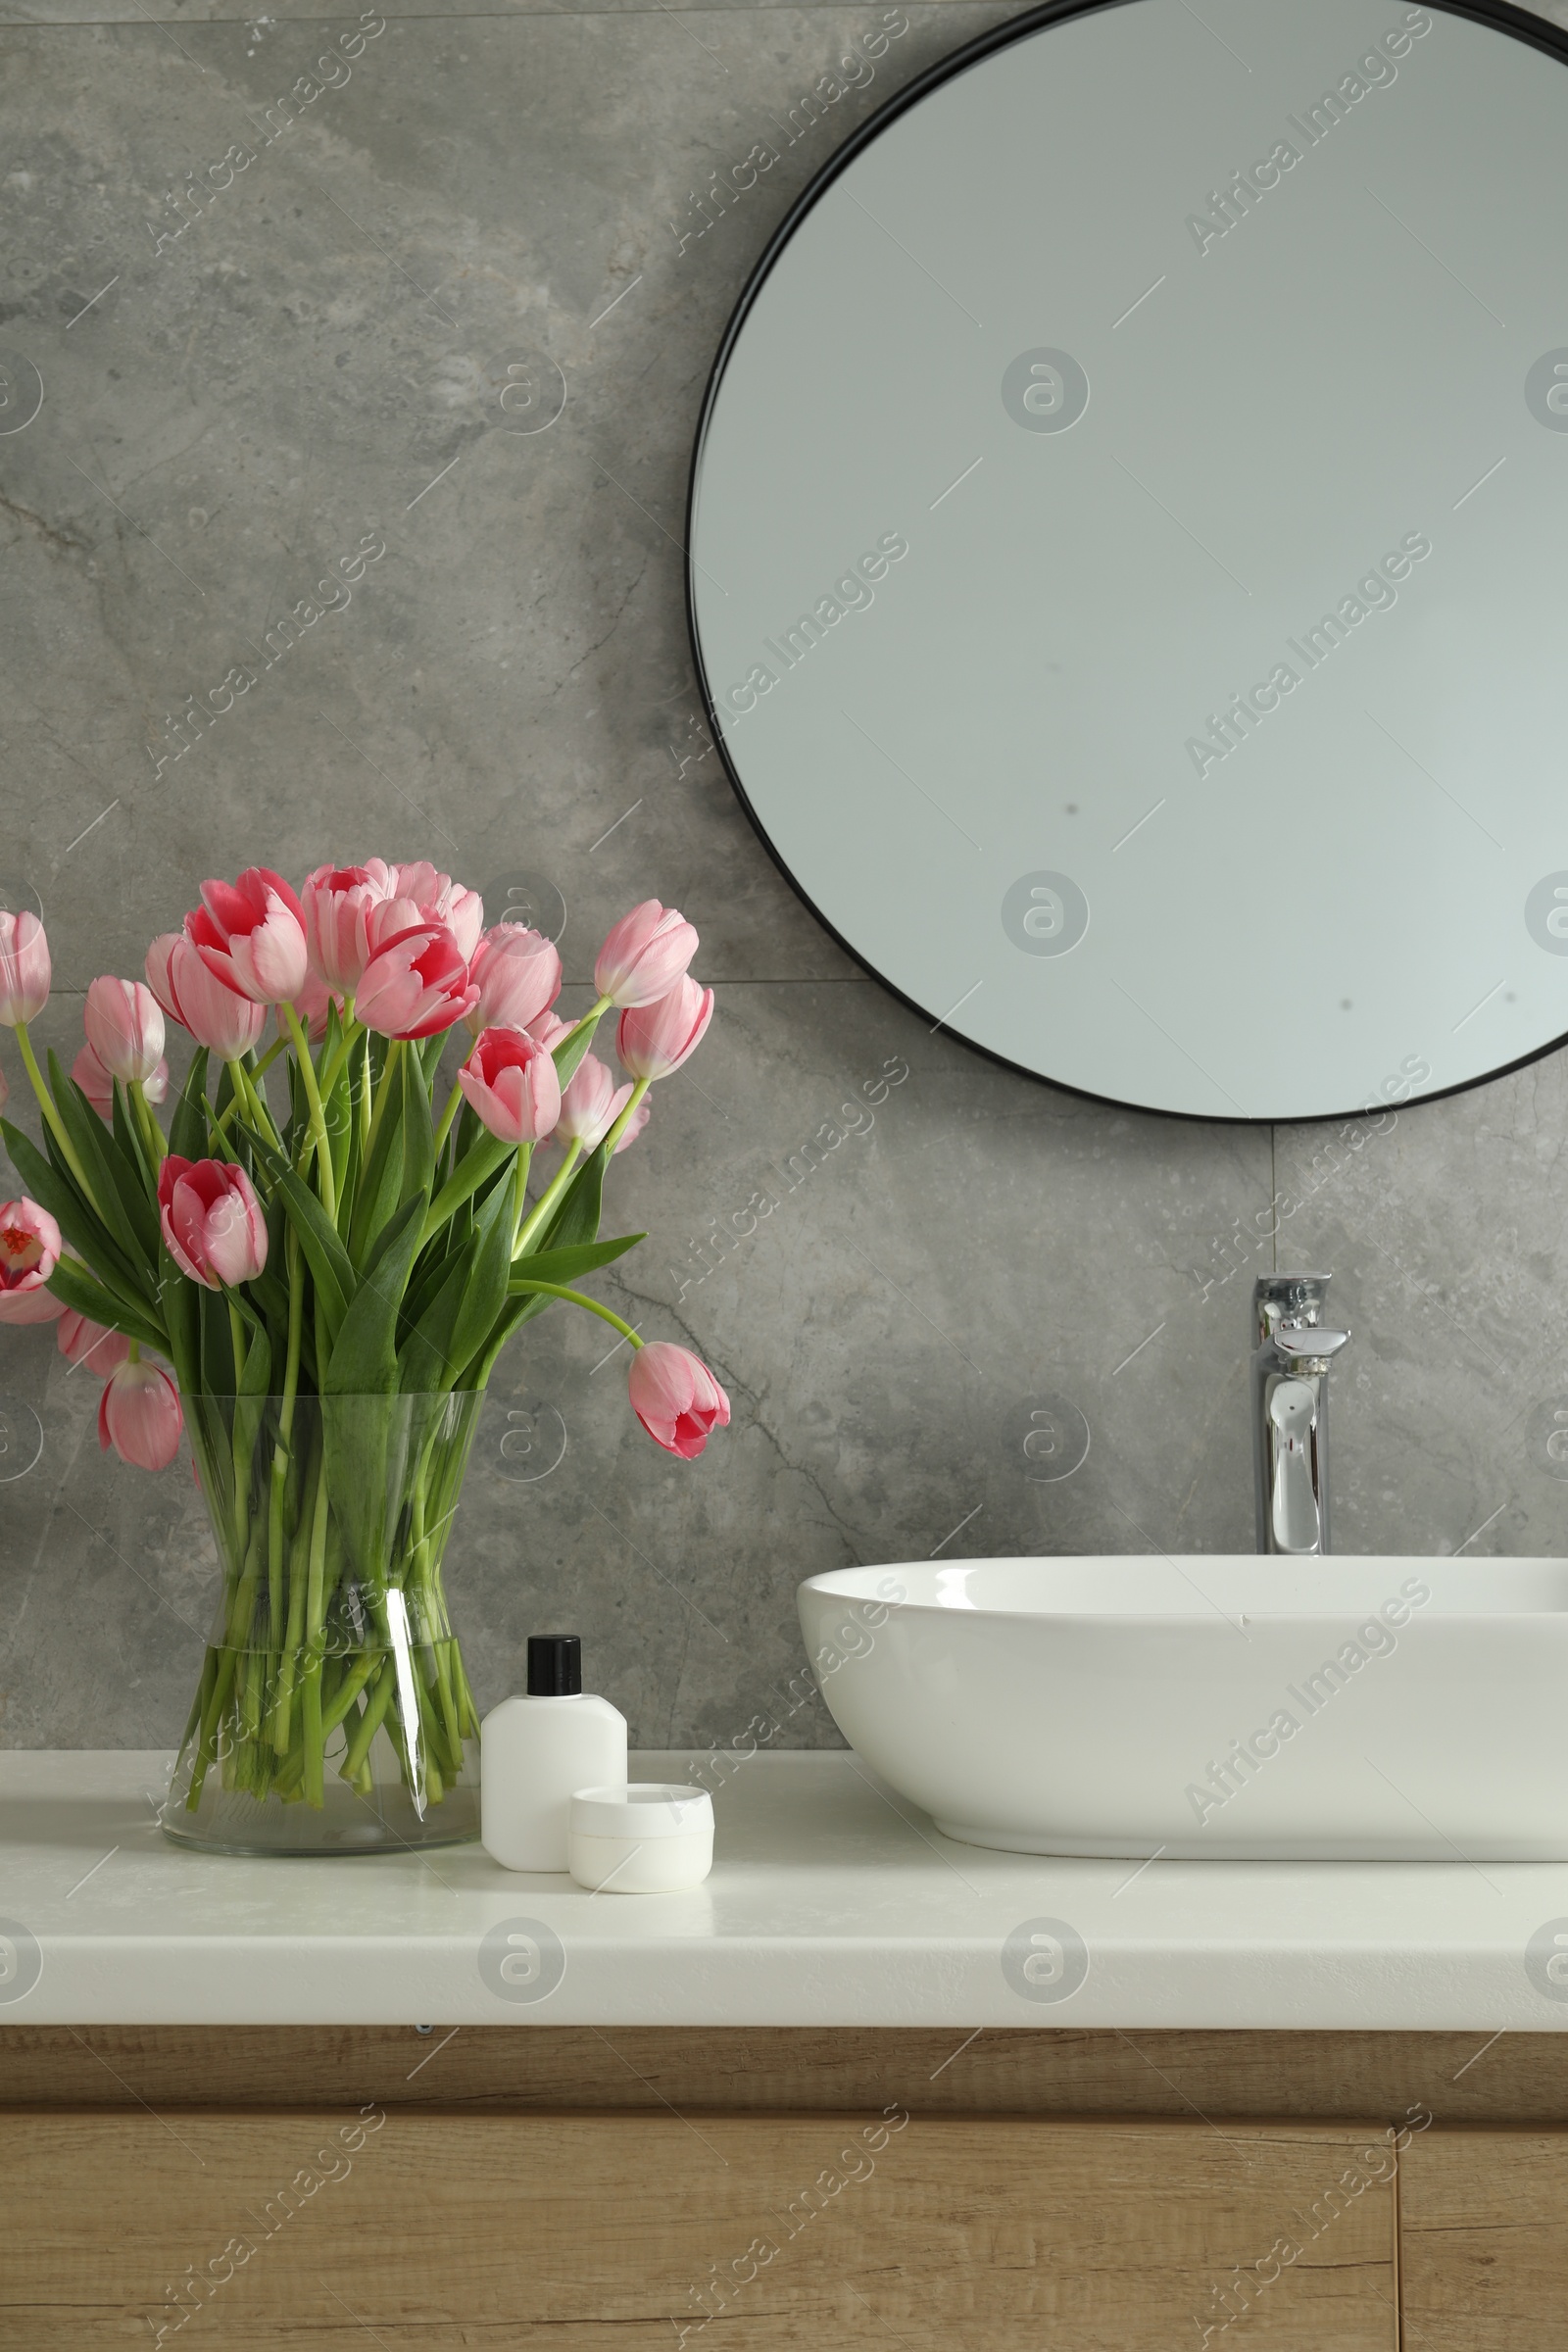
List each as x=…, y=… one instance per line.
x=243, y=387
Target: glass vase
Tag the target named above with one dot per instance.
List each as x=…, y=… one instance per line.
x=333, y=1713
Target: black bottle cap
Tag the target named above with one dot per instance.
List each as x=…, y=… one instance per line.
x=555, y=1665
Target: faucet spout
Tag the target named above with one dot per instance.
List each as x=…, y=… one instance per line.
x=1290, y=1372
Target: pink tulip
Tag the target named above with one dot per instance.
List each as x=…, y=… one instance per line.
x=415, y=984
x=251, y=934
x=217, y=1015
x=518, y=977
x=644, y=955
x=313, y=1004
x=30, y=1251
x=212, y=1220
x=139, y=1415
x=23, y=968
x=676, y=1398
x=82, y=1342
x=125, y=1028
x=98, y=1086
x=29, y=1306
x=548, y=1029
x=156, y=968
x=339, y=903
x=652, y=1040
x=510, y=1083
x=590, y=1105
x=440, y=899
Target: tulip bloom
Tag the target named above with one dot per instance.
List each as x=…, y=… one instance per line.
x=23, y=968
x=98, y=1086
x=251, y=935
x=652, y=1040
x=212, y=1221
x=339, y=903
x=440, y=899
x=518, y=977
x=156, y=967
x=415, y=984
x=676, y=1398
x=83, y=1342
x=125, y=1028
x=217, y=1015
x=547, y=1028
x=644, y=955
x=510, y=1083
x=30, y=1251
x=139, y=1415
x=590, y=1105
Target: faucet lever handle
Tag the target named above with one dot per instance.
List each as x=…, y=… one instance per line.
x=1302, y=1341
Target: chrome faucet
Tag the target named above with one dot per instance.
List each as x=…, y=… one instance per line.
x=1290, y=1387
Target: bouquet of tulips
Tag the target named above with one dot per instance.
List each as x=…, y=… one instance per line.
x=313, y=1272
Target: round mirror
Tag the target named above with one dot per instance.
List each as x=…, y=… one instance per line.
x=1128, y=549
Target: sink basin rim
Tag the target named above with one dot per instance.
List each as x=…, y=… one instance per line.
x=869, y=1585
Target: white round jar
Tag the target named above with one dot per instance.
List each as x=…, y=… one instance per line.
x=644, y=1839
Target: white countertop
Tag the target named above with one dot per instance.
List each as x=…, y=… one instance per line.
x=830, y=1903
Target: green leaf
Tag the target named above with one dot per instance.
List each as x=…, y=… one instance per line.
x=381, y=1184
x=419, y=1134
x=474, y=1169
x=364, y=1360
x=578, y=1218
x=77, y=1289
x=270, y=1287
x=250, y=1404
x=54, y=1189
x=123, y=1203
x=342, y=1135
x=485, y=1295
x=565, y=1266
x=516, y=1312
x=324, y=1255
x=348, y=1177
x=187, y=1130
x=217, y=1343
x=425, y=1359
x=179, y=1305
x=566, y=1057
x=129, y=1137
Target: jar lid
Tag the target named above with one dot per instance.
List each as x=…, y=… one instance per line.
x=641, y=1809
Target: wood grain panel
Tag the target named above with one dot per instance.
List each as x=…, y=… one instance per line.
x=1484, y=2239
x=1461, y=2078
x=767, y=2233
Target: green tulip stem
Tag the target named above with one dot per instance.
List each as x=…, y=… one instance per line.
x=383, y=1096
x=247, y=1100
x=585, y=1021
x=152, y=1134
x=521, y=1284
x=56, y=1124
x=323, y=1149
x=615, y=1132
x=447, y=1117
x=343, y=1049
x=545, y=1201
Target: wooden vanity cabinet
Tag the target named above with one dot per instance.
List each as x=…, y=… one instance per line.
x=1010, y=2192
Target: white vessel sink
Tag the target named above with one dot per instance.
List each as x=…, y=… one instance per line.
x=1215, y=1706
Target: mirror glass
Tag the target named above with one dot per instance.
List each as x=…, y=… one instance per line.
x=1129, y=550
